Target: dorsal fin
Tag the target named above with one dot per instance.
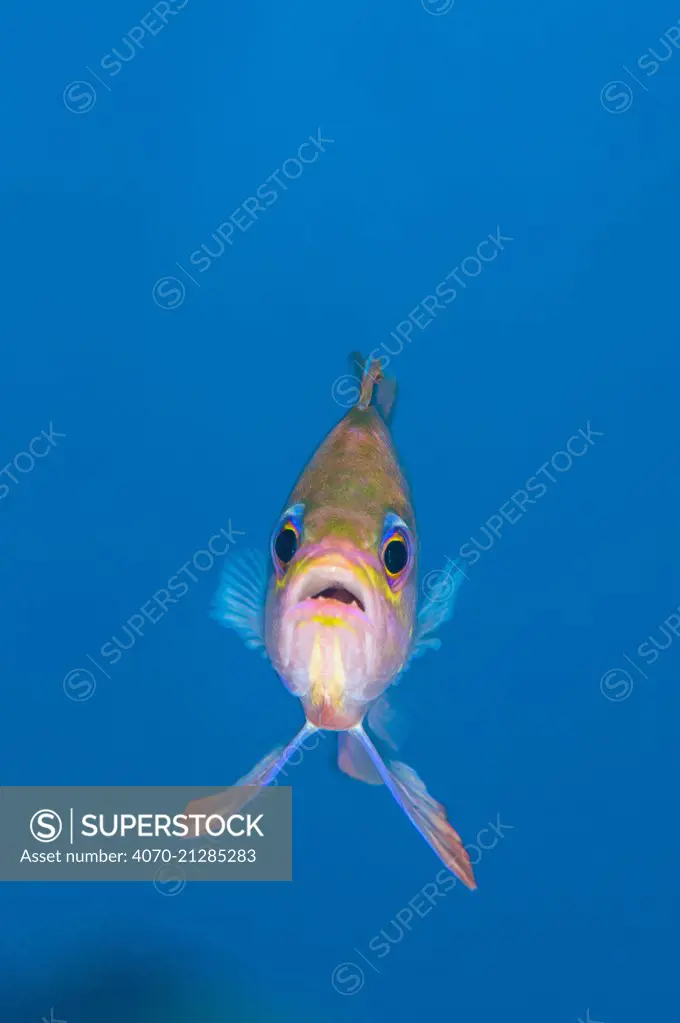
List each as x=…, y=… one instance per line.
x=371, y=377
x=375, y=385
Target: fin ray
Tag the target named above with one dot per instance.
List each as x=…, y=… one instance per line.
x=354, y=761
x=372, y=376
x=434, y=612
x=374, y=385
x=239, y=601
x=425, y=813
x=382, y=719
x=439, y=604
x=263, y=773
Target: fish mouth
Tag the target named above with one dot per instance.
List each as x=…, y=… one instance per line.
x=341, y=594
x=335, y=585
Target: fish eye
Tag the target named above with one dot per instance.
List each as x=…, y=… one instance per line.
x=286, y=544
x=285, y=541
x=395, y=556
x=396, y=550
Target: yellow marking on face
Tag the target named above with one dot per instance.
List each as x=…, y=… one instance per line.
x=317, y=694
x=338, y=666
x=336, y=686
x=378, y=581
x=327, y=690
x=315, y=673
x=335, y=698
x=329, y=620
x=291, y=572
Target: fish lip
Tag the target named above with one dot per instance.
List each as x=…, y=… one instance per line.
x=334, y=575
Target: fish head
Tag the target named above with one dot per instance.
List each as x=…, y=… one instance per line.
x=341, y=602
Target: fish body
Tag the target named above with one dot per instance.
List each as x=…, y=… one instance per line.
x=336, y=610
x=338, y=629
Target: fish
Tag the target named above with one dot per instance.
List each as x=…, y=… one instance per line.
x=334, y=608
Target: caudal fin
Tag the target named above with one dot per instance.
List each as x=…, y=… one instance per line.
x=239, y=795
x=425, y=813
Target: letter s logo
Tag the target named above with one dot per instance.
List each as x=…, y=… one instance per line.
x=45, y=825
x=616, y=102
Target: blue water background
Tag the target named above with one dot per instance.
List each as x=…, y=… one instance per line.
x=178, y=420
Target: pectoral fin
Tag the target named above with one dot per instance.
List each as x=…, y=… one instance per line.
x=437, y=609
x=239, y=601
x=438, y=606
